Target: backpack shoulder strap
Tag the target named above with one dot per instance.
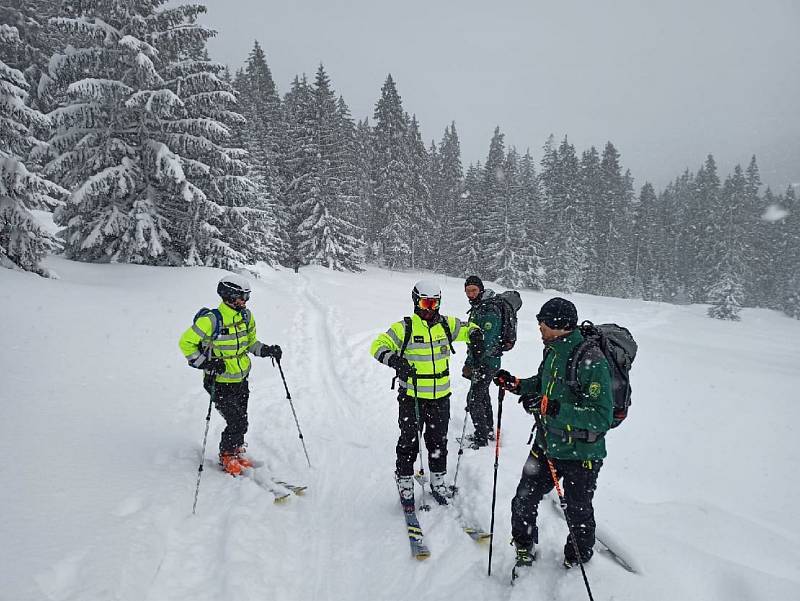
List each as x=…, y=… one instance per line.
x=214, y=316
x=406, y=335
x=588, y=348
x=447, y=332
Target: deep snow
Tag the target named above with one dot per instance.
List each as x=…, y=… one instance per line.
x=102, y=427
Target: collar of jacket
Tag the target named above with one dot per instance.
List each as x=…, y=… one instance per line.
x=566, y=341
x=229, y=314
x=482, y=297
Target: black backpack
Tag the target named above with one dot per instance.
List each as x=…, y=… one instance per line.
x=619, y=348
x=508, y=304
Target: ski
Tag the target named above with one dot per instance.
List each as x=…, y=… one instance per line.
x=418, y=549
x=474, y=531
x=609, y=545
x=297, y=489
x=279, y=494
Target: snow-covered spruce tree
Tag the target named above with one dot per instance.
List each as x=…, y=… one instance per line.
x=730, y=251
x=697, y=231
x=392, y=172
x=788, y=274
x=363, y=156
x=451, y=186
x=648, y=245
x=608, y=274
x=465, y=224
x=23, y=243
x=226, y=237
x=32, y=47
x=120, y=130
x=298, y=158
x=725, y=295
x=423, y=227
x=565, y=260
x=490, y=212
x=327, y=235
x=531, y=235
x=511, y=263
x=261, y=136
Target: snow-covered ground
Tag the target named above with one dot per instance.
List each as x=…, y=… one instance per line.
x=102, y=425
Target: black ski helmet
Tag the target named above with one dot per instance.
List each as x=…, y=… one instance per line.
x=233, y=286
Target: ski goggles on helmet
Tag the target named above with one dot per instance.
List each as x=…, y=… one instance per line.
x=429, y=303
x=245, y=296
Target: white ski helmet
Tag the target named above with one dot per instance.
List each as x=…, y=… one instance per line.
x=426, y=289
x=233, y=286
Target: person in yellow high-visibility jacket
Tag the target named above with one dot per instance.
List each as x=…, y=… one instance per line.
x=218, y=342
x=418, y=349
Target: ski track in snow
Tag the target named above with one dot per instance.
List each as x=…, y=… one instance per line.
x=345, y=538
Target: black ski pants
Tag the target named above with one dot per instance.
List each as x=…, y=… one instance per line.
x=479, y=405
x=435, y=418
x=580, y=482
x=231, y=402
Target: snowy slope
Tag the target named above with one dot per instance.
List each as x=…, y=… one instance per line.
x=102, y=425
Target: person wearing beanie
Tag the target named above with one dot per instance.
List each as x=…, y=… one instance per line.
x=573, y=438
x=483, y=359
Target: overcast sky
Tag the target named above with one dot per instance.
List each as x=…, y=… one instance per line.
x=666, y=81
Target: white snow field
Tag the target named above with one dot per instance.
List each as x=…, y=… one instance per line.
x=102, y=424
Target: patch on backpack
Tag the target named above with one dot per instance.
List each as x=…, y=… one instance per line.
x=594, y=389
x=488, y=325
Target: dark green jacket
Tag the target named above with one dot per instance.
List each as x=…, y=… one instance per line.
x=486, y=315
x=592, y=411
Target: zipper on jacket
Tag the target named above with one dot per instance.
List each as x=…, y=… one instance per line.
x=433, y=360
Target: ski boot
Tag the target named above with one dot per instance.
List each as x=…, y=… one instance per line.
x=524, y=560
x=439, y=490
x=571, y=560
x=244, y=459
x=405, y=487
x=230, y=463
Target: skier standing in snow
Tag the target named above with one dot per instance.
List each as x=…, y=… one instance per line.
x=418, y=348
x=220, y=349
x=574, y=437
x=481, y=367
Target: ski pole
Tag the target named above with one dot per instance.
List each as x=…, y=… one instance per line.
x=424, y=506
x=205, y=439
x=554, y=475
x=291, y=404
x=500, y=396
x=454, y=488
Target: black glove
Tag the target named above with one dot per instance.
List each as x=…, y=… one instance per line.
x=401, y=366
x=505, y=380
x=213, y=366
x=531, y=404
x=476, y=342
x=272, y=350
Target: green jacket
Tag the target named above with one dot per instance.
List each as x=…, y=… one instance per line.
x=486, y=315
x=428, y=351
x=236, y=339
x=592, y=412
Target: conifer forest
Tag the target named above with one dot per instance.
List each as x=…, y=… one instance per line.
x=114, y=117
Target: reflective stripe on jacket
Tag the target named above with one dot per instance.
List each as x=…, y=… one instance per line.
x=236, y=338
x=428, y=351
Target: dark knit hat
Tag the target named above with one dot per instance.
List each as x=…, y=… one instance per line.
x=474, y=280
x=558, y=313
